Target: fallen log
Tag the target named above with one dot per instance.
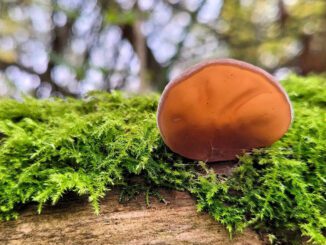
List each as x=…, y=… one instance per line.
x=72, y=221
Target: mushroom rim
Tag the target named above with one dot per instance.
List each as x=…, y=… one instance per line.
x=231, y=62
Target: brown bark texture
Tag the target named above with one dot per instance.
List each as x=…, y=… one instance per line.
x=72, y=221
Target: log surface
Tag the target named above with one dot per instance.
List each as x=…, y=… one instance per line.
x=73, y=221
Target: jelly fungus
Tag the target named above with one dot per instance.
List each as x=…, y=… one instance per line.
x=219, y=109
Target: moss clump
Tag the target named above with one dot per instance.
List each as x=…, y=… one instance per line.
x=50, y=147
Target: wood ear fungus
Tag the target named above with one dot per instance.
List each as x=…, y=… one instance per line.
x=218, y=109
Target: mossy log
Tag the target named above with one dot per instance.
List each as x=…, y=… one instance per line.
x=72, y=221
x=49, y=148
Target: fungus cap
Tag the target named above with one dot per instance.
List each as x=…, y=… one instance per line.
x=218, y=109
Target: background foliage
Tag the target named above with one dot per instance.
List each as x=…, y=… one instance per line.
x=58, y=47
x=49, y=148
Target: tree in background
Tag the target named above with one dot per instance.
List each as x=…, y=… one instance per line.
x=60, y=48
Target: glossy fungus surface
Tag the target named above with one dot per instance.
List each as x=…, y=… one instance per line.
x=219, y=109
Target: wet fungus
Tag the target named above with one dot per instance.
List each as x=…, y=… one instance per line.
x=219, y=109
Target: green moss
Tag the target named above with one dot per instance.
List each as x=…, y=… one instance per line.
x=51, y=147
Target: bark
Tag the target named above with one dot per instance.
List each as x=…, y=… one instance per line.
x=72, y=221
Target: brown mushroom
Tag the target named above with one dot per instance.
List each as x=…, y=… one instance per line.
x=221, y=108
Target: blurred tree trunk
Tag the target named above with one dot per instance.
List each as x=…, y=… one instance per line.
x=312, y=58
x=152, y=72
x=313, y=55
x=140, y=48
x=60, y=37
